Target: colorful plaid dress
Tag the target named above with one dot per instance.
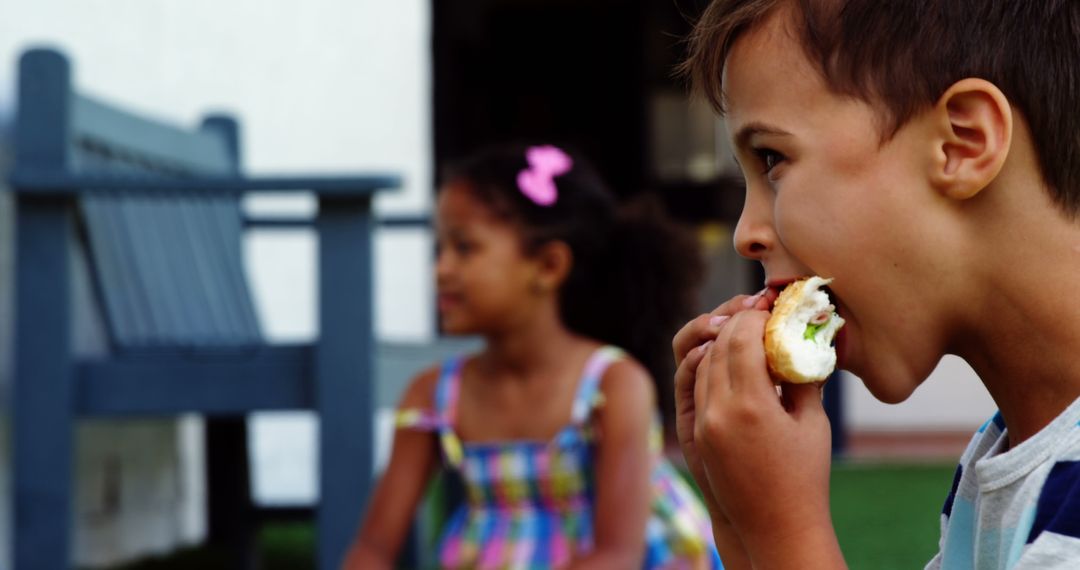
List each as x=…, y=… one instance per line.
x=530, y=504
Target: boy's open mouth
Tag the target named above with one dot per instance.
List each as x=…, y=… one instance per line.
x=828, y=291
x=773, y=289
x=839, y=342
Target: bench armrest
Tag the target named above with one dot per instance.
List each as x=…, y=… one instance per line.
x=347, y=186
x=296, y=222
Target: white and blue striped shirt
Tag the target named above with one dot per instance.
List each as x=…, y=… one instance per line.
x=1018, y=508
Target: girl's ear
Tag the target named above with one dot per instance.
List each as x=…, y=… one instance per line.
x=973, y=135
x=554, y=261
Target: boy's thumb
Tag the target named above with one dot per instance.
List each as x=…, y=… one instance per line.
x=803, y=398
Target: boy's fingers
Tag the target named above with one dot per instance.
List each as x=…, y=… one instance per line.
x=732, y=342
x=718, y=358
x=701, y=379
x=695, y=333
x=707, y=326
x=686, y=373
x=746, y=354
x=740, y=303
x=760, y=301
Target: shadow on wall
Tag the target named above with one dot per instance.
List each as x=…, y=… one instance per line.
x=5, y=321
x=7, y=123
x=6, y=235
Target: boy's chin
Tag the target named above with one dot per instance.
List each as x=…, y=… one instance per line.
x=887, y=388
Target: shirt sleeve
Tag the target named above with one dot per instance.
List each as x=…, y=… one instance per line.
x=1054, y=539
x=1051, y=551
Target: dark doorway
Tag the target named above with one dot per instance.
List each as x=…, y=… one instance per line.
x=596, y=75
x=562, y=71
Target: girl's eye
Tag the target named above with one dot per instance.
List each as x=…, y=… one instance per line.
x=464, y=247
x=769, y=159
x=458, y=246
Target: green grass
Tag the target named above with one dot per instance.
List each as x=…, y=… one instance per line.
x=282, y=546
x=288, y=546
x=184, y=558
x=886, y=518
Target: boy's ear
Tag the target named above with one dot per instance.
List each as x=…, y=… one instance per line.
x=555, y=259
x=974, y=137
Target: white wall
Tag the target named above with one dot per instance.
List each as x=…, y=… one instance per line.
x=319, y=86
x=951, y=399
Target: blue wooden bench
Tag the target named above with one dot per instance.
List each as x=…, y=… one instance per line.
x=155, y=210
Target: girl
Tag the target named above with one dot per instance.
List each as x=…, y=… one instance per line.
x=549, y=425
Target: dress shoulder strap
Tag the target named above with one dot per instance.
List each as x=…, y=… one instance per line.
x=588, y=395
x=434, y=417
x=446, y=400
x=446, y=388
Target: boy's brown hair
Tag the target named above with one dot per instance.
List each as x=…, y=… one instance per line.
x=904, y=54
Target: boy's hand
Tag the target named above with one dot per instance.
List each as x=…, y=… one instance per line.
x=765, y=456
x=689, y=346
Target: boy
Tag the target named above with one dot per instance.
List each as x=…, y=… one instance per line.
x=926, y=155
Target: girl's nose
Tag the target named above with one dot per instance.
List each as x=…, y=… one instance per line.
x=442, y=266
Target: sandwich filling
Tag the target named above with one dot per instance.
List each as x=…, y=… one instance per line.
x=805, y=326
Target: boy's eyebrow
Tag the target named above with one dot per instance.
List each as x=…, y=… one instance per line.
x=754, y=128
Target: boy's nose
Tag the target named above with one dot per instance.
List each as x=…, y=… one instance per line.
x=749, y=247
x=754, y=235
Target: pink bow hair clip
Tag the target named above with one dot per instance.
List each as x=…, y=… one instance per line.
x=537, y=182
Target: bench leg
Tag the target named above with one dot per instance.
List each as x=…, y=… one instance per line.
x=43, y=411
x=231, y=525
x=344, y=364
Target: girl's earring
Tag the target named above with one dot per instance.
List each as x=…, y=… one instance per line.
x=538, y=287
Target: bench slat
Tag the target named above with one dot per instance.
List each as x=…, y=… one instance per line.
x=270, y=378
x=230, y=223
x=129, y=315
x=170, y=269
x=205, y=271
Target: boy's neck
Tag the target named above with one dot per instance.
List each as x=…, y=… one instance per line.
x=1020, y=325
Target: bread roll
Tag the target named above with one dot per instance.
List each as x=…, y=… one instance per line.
x=800, y=333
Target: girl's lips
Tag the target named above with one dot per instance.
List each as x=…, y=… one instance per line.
x=448, y=301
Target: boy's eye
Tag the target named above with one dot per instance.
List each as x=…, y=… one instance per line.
x=769, y=158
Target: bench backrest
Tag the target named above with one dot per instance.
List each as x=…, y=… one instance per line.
x=167, y=266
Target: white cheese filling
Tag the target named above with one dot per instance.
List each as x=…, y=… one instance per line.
x=813, y=357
